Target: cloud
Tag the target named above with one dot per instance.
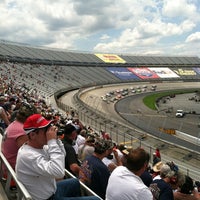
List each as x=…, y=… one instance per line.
x=107, y=25
x=105, y=37
x=193, y=38
x=178, y=8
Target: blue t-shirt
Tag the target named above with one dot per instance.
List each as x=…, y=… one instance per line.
x=161, y=190
x=98, y=173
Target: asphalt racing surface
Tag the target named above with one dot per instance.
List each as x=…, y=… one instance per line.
x=151, y=121
x=161, y=124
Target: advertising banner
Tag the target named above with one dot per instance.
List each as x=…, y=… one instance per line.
x=110, y=58
x=144, y=73
x=164, y=72
x=185, y=72
x=122, y=73
x=197, y=70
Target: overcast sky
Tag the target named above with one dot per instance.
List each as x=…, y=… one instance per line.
x=158, y=27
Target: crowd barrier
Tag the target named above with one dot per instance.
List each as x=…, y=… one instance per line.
x=21, y=192
x=85, y=191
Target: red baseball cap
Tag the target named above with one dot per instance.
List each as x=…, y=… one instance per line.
x=35, y=121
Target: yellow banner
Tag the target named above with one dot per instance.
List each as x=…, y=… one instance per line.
x=185, y=72
x=110, y=58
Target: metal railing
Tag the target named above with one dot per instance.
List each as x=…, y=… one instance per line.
x=85, y=190
x=21, y=192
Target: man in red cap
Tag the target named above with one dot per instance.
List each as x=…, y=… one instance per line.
x=41, y=161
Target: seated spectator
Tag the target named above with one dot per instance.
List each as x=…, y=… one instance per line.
x=81, y=137
x=156, y=170
x=8, y=109
x=125, y=182
x=15, y=110
x=15, y=135
x=147, y=177
x=72, y=163
x=179, y=177
x=87, y=148
x=4, y=118
x=113, y=159
x=186, y=190
x=162, y=189
x=95, y=170
x=197, y=184
x=117, y=149
x=105, y=135
x=41, y=161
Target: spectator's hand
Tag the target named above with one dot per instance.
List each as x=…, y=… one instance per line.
x=115, y=152
x=51, y=133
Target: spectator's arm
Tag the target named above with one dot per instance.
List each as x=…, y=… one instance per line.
x=4, y=117
x=75, y=168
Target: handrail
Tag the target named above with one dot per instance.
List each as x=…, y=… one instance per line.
x=22, y=192
x=84, y=188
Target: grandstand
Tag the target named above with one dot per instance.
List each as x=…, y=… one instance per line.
x=50, y=73
x=42, y=67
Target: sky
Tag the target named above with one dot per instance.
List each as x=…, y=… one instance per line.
x=138, y=27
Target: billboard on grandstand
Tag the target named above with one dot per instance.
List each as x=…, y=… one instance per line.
x=197, y=70
x=185, y=72
x=110, y=58
x=122, y=73
x=143, y=72
x=164, y=72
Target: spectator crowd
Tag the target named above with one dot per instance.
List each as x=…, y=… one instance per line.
x=39, y=142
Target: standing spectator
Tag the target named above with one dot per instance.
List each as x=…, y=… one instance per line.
x=158, y=153
x=155, y=159
x=41, y=161
x=125, y=182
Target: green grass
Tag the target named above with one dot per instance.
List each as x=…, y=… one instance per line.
x=150, y=100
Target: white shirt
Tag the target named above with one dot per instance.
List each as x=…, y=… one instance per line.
x=125, y=185
x=157, y=177
x=37, y=169
x=80, y=140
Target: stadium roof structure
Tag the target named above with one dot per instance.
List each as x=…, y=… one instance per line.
x=26, y=53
